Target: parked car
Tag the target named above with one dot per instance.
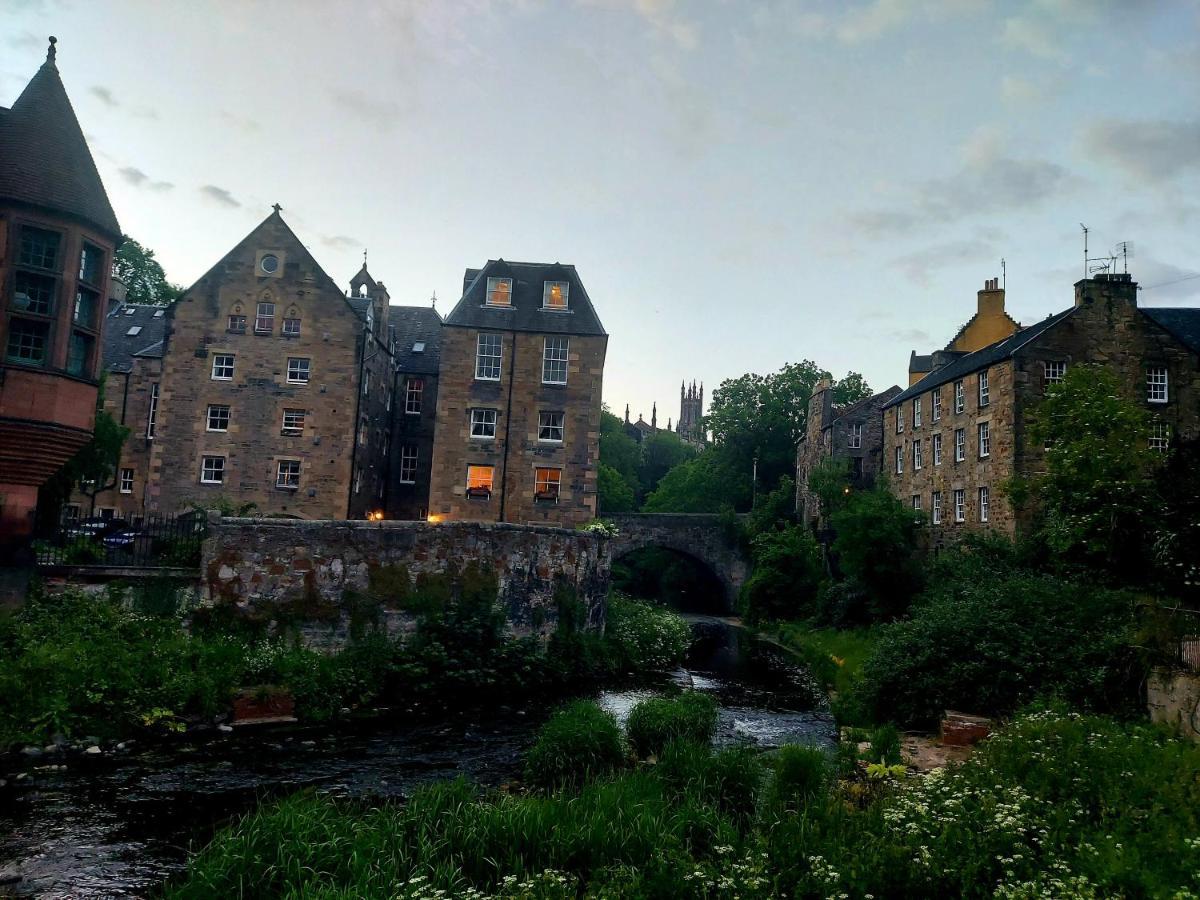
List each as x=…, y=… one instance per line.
x=125, y=540
x=96, y=527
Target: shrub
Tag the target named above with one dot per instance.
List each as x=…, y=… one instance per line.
x=656, y=722
x=885, y=745
x=801, y=775
x=580, y=741
x=728, y=779
x=645, y=638
x=787, y=571
x=876, y=548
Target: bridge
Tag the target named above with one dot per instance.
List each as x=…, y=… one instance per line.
x=702, y=537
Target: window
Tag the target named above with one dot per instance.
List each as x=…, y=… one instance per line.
x=899, y=419
x=218, y=418
x=916, y=412
x=419, y=347
x=408, y=464
x=91, y=264
x=222, y=369
x=212, y=470
x=1054, y=371
x=916, y=501
x=363, y=431
x=546, y=483
x=79, y=354
x=127, y=481
x=550, y=426
x=937, y=449
x=960, y=444
x=937, y=507
x=899, y=459
x=33, y=293
x=984, y=397
x=937, y=405
x=483, y=424
x=153, y=414
x=554, y=294
x=291, y=327
x=413, y=389
x=269, y=263
x=357, y=479
x=366, y=385
x=159, y=313
x=854, y=442
x=1156, y=384
x=985, y=439
x=39, y=248
x=554, y=360
x=134, y=331
x=27, y=342
x=960, y=505
x=288, y=474
x=918, y=462
x=499, y=292
x=293, y=421
x=129, y=310
x=479, y=481
x=264, y=319
x=85, y=308
x=1160, y=436
x=984, y=501
x=960, y=397
x=298, y=370
x=237, y=324
x=488, y=353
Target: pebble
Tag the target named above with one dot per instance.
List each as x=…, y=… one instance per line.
x=32, y=751
x=93, y=750
x=225, y=729
x=308, y=743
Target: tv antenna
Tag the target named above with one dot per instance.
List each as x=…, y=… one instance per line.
x=1124, y=250
x=1003, y=274
x=1085, y=256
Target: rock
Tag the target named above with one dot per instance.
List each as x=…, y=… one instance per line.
x=33, y=752
x=121, y=746
x=224, y=729
x=93, y=750
x=50, y=748
x=308, y=743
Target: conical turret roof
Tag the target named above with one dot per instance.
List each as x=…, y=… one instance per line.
x=44, y=158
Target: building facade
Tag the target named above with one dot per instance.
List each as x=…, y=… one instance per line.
x=418, y=335
x=518, y=409
x=989, y=324
x=690, y=425
x=952, y=440
x=58, y=235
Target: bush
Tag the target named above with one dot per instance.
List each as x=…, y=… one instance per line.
x=876, y=548
x=728, y=779
x=787, y=571
x=645, y=638
x=656, y=722
x=801, y=775
x=885, y=745
x=579, y=742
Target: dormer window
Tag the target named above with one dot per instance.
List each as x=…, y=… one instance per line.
x=499, y=292
x=554, y=294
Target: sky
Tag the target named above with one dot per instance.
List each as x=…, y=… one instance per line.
x=739, y=184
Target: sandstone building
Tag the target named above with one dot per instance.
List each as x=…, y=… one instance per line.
x=989, y=324
x=58, y=234
x=958, y=434
x=418, y=332
x=518, y=408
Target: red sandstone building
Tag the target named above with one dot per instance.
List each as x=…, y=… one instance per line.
x=58, y=234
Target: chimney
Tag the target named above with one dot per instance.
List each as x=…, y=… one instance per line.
x=991, y=299
x=943, y=358
x=1111, y=287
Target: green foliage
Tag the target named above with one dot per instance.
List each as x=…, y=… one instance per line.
x=830, y=481
x=144, y=278
x=670, y=579
x=579, y=742
x=661, y=453
x=885, y=745
x=656, y=722
x=787, y=571
x=730, y=779
x=616, y=494
x=876, y=547
x=835, y=656
x=619, y=451
x=707, y=484
x=801, y=775
x=775, y=509
x=645, y=638
x=226, y=506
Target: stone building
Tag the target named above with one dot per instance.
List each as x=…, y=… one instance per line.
x=956, y=436
x=58, y=234
x=989, y=324
x=518, y=433
x=690, y=426
x=641, y=429
x=418, y=355
x=853, y=432
x=276, y=387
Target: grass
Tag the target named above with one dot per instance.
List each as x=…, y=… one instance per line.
x=655, y=723
x=836, y=656
x=579, y=741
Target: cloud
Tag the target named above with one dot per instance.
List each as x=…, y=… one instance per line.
x=24, y=40
x=382, y=113
x=861, y=23
x=913, y=336
x=104, y=94
x=138, y=178
x=919, y=265
x=1038, y=36
x=1018, y=91
x=220, y=196
x=340, y=241
x=241, y=123
x=661, y=16
x=1163, y=283
x=1147, y=152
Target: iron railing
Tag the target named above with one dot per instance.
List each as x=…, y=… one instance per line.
x=154, y=540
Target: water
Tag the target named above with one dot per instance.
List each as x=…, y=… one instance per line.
x=120, y=825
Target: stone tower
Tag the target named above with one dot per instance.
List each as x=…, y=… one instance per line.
x=691, y=411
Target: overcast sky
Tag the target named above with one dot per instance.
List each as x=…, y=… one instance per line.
x=740, y=185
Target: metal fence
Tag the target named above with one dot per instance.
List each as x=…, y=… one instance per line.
x=151, y=541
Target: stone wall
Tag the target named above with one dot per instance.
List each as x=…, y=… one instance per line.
x=314, y=573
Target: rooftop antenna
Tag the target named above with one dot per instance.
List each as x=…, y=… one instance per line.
x=1003, y=274
x=1125, y=249
x=433, y=302
x=1085, y=257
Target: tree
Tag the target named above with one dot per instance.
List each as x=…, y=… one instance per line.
x=876, y=548
x=616, y=496
x=851, y=389
x=144, y=278
x=661, y=453
x=787, y=573
x=619, y=451
x=706, y=484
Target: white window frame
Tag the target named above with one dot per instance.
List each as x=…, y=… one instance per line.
x=223, y=362
x=546, y=424
x=916, y=502
x=152, y=415
x=491, y=484
x=291, y=326
x=556, y=352
x=937, y=449
x=208, y=416
x=485, y=360
x=916, y=412
x=960, y=505
x=985, y=500
x=542, y=485
x=295, y=370
x=235, y=329
x=918, y=461
x=297, y=417
x=1157, y=384
x=985, y=440
x=493, y=287
x=900, y=419
x=960, y=444
x=900, y=459
x=960, y=396
x=205, y=469
x=408, y=463
x=287, y=478
x=264, y=322
x=936, y=413
x=1160, y=436
x=1054, y=371
x=414, y=391
x=854, y=436
x=483, y=419
x=548, y=286
x=985, y=396
x=126, y=481
x=936, y=509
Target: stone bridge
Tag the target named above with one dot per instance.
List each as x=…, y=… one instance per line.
x=702, y=537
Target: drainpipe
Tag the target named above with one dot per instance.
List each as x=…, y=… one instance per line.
x=512, y=372
x=362, y=365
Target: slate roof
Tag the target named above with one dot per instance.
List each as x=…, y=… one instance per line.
x=413, y=325
x=121, y=347
x=980, y=359
x=865, y=403
x=44, y=158
x=1183, y=323
x=918, y=362
x=526, y=312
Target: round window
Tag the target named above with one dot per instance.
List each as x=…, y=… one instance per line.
x=270, y=263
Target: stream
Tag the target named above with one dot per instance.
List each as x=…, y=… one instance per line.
x=119, y=825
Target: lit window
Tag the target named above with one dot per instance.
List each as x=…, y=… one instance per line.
x=499, y=292
x=127, y=481
x=212, y=470
x=554, y=360
x=899, y=419
x=918, y=462
x=984, y=502
x=291, y=327
x=413, y=390
x=937, y=507
x=916, y=412
x=79, y=354
x=984, y=395
x=546, y=484
x=293, y=421
x=937, y=405
x=960, y=505
x=489, y=350
x=298, y=370
x=264, y=319
x=237, y=324
x=554, y=294
x=419, y=347
x=1160, y=436
x=218, y=418
x=408, y=464
x=854, y=442
x=27, y=342
x=479, y=481
x=288, y=474
x=1156, y=384
x=916, y=501
x=134, y=330
x=960, y=397
x=985, y=439
x=483, y=423
x=550, y=427
x=222, y=369
x=899, y=460
x=1055, y=372
x=153, y=414
x=937, y=449
x=960, y=444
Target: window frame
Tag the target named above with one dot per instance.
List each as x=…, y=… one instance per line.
x=916, y=412
x=231, y=366
x=408, y=463
x=984, y=437
x=543, y=425
x=482, y=421
x=550, y=363
x=960, y=445
x=414, y=393
x=1153, y=384
x=291, y=326
x=854, y=436
x=936, y=441
x=46, y=336
x=900, y=418
x=307, y=369
x=264, y=323
x=552, y=490
x=204, y=468
x=125, y=481
x=289, y=481
x=984, y=389
x=483, y=358
x=960, y=504
x=916, y=502
x=899, y=459
x=208, y=417
x=152, y=413
x=918, y=456
x=294, y=414
x=1160, y=436
x=985, y=502
x=493, y=290
x=480, y=492
x=935, y=509
x=935, y=413
x=960, y=396
x=1047, y=378
x=547, y=292
x=238, y=327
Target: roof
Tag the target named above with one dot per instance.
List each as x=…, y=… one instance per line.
x=415, y=325
x=920, y=362
x=121, y=347
x=526, y=312
x=865, y=403
x=1182, y=323
x=44, y=159
x=980, y=359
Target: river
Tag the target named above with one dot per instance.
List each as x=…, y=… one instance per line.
x=120, y=825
